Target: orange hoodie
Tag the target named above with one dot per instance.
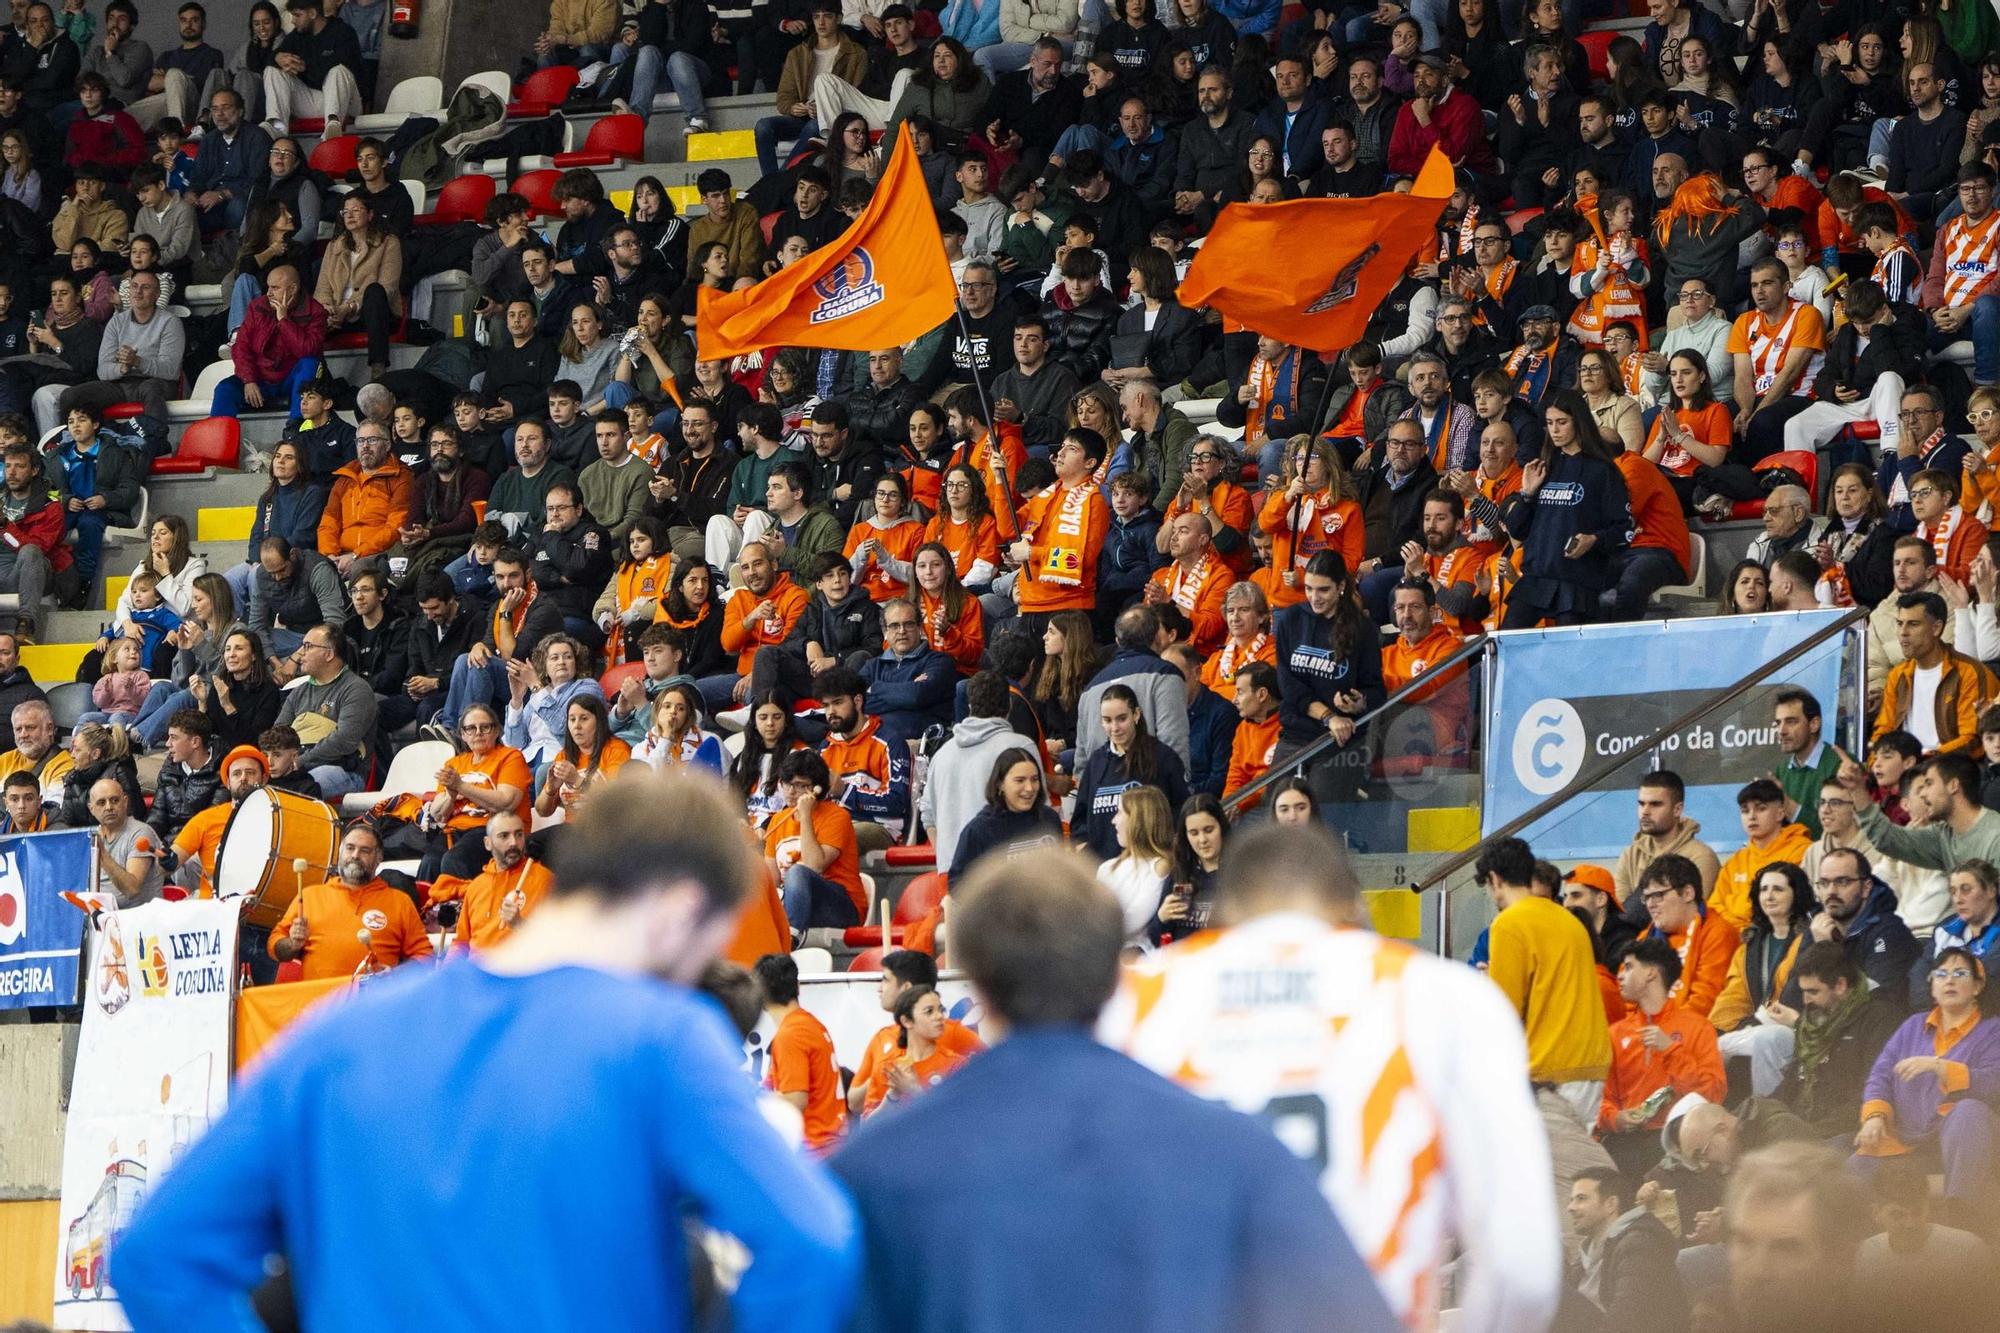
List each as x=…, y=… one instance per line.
x=365, y=509
x=786, y=598
x=1706, y=948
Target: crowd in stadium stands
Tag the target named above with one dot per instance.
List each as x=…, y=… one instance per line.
x=1081, y=564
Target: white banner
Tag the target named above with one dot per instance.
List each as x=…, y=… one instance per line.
x=152, y=1071
x=850, y=1004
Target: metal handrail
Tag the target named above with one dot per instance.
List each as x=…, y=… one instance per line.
x=1610, y=764
x=1307, y=757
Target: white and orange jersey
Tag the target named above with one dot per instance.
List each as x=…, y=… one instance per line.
x=1768, y=343
x=1403, y=1077
x=1971, y=256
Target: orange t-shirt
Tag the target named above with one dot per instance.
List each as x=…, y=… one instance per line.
x=201, y=837
x=1068, y=525
x=1712, y=425
x=1656, y=509
x=801, y=1060
x=901, y=541
x=335, y=916
x=967, y=542
x=1198, y=593
x=1321, y=526
x=1769, y=342
x=1232, y=505
x=962, y=640
x=479, y=923
x=787, y=599
x=613, y=755
x=502, y=766
x=834, y=828
x=959, y=1043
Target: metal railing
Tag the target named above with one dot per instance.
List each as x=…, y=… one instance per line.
x=1325, y=745
x=1610, y=764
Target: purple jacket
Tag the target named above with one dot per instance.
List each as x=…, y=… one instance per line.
x=1914, y=1102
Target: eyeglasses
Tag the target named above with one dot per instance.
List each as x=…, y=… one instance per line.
x=1451, y=319
x=1687, y=297
x=1983, y=414
x=473, y=728
x=1951, y=974
x=1922, y=492
x=1917, y=414
x=960, y=485
x=1204, y=458
x=891, y=626
x=1836, y=882
x=1791, y=245
x=1657, y=896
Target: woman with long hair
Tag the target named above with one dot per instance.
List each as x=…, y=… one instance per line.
x=1263, y=160
x=880, y=546
x=1131, y=756
x=693, y=607
x=849, y=154
x=238, y=694
x=1616, y=412
x=99, y=750
x=631, y=600
x=1692, y=430
x=1706, y=98
x=953, y=620
x=1943, y=1060
x=1170, y=93
x=1629, y=80
x=485, y=777
x=270, y=237
x=708, y=267
x=586, y=353
x=1567, y=546
x=20, y=181
x=1069, y=660
x=1137, y=876
x=1017, y=814
x=924, y=1059
x=1246, y=616
x=1105, y=88
x=1197, y=867
x=770, y=736
x=1134, y=38
x=1747, y=590
x=591, y=756
x=360, y=280
x=1171, y=330
x=290, y=507
x=676, y=736
x=1475, y=42
x=964, y=526
x=926, y=452
x=539, y=697
x=197, y=649
x=1293, y=802
x=1855, y=504
x=293, y=183
x=1747, y=1014
x=948, y=89
x=1313, y=511
x=1922, y=43
x=657, y=357
x=662, y=230
x=1329, y=659
x=86, y=269
x=1782, y=93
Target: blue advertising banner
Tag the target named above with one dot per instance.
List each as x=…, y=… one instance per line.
x=1562, y=699
x=41, y=936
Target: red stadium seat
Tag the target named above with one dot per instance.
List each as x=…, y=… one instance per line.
x=463, y=199
x=1520, y=218
x=543, y=91
x=1597, y=46
x=867, y=961
x=618, y=675
x=335, y=157
x=1805, y=462
x=921, y=897
x=308, y=124
x=923, y=854
x=123, y=411
x=352, y=339
x=538, y=188
x=211, y=442
x=768, y=224
x=620, y=138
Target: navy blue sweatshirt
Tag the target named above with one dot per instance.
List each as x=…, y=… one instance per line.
x=1309, y=670
x=1105, y=777
x=1581, y=494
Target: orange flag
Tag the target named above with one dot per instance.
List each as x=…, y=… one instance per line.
x=1312, y=271
x=882, y=283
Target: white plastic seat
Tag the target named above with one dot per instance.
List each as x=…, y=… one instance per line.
x=813, y=962
x=201, y=396
x=412, y=772
x=420, y=95
x=1697, y=585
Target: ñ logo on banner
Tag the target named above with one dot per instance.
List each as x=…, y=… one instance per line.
x=848, y=288
x=13, y=900
x=1548, y=746
x=1341, y=290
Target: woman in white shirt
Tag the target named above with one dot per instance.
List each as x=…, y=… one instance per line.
x=1137, y=876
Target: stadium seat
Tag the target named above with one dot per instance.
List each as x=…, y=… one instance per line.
x=211, y=442
x=123, y=411
x=69, y=701
x=353, y=339
x=919, y=899
x=922, y=854
x=412, y=772
x=612, y=679
x=1697, y=582
x=544, y=91
x=495, y=81
x=538, y=188
x=334, y=157
x=1597, y=47
x=1805, y=462
x=463, y=199
x=812, y=962
x=869, y=960
x=419, y=95
x=614, y=139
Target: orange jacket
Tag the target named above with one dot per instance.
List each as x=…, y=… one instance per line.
x=979, y=457
x=1737, y=880
x=1656, y=509
x=786, y=598
x=1250, y=755
x=967, y=543
x=901, y=542
x=1967, y=539
x=1231, y=505
x=1690, y=1063
x=335, y=915
x=479, y=923
x=963, y=640
x=1337, y=526
x=365, y=509
x=1706, y=949
x=1449, y=700
x=1964, y=686
x=1202, y=603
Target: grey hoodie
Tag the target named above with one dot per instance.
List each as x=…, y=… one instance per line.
x=955, y=783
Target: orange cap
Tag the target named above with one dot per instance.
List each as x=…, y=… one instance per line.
x=1596, y=877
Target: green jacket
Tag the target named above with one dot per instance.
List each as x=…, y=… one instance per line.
x=1803, y=784
x=818, y=531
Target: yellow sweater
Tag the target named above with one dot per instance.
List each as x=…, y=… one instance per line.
x=1539, y=955
x=1737, y=879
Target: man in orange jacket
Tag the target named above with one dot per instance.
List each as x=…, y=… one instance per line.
x=1704, y=941
x=1195, y=580
x=496, y=900
x=1422, y=641
x=1951, y=723
x=371, y=501
x=1660, y=1052
x=1770, y=838
x=1256, y=738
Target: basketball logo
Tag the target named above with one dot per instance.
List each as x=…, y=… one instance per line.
x=1345, y=282
x=848, y=288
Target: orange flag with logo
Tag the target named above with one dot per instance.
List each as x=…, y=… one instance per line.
x=1312, y=271
x=884, y=281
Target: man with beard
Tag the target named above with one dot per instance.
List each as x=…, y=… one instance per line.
x=870, y=777
x=441, y=519
x=34, y=551
x=1342, y=174
x=500, y=896
x=1212, y=147
x=244, y=770
x=334, y=926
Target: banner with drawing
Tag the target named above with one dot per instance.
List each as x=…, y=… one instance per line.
x=152, y=1071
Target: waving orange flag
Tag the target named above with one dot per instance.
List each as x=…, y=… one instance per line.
x=1311, y=272
x=884, y=281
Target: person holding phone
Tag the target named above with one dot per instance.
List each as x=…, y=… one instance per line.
x=811, y=849
x=1571, y=513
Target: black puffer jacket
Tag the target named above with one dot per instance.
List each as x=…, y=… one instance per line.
x=1080, y=337
x=180, y=794
x=879, y=418
x=77, y=785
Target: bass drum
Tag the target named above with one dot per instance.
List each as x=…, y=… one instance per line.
x=270, y=833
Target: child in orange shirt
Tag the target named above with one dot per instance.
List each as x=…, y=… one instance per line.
x=1065, y=530
x=1310, y=514
x=802, y=1068
x=810, y=845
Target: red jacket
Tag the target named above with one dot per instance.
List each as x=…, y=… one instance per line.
x=1457, y=126
x=266, y=350
x=110, y=139
x=41, y=526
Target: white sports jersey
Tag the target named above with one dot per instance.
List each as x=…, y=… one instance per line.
x=1403, y=1077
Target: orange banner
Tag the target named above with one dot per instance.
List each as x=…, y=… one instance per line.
x=1312, y=271
x=882, y=283
x=262, y=1012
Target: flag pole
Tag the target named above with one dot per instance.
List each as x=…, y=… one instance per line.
x=996, y=454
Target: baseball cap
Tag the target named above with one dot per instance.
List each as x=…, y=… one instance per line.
x=1590, y=876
